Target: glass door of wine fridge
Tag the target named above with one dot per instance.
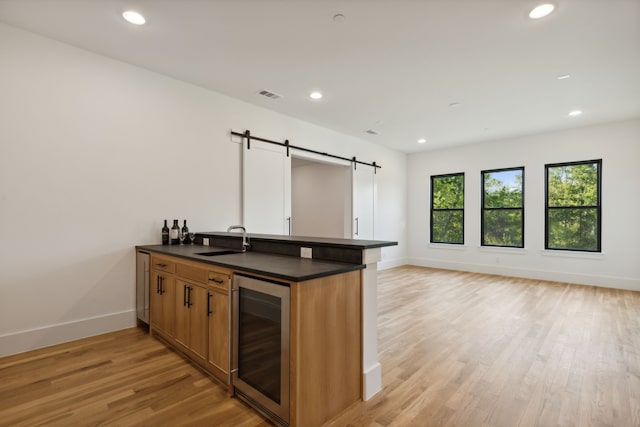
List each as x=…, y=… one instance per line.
x=260, y=373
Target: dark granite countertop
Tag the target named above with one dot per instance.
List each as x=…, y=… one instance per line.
x=278, y=266
x=317, y=241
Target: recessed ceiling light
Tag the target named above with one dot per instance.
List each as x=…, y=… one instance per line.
x=338, y=17
x=575, y=113
x=134, y=17
x=315, y=95
x=422, y=141
x=564, y=76
x=541, y=11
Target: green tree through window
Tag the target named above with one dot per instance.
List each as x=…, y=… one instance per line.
x=447, y=208
x=573, y=209
x=502, y=221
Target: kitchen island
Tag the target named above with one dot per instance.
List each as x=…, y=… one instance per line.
x=328, y=330
x=274, y=265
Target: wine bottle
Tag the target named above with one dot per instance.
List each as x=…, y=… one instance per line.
x=185, y=233
x=165, y=233
x=174, y=233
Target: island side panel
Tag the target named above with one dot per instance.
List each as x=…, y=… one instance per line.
x=326, y=357
x=372, y=371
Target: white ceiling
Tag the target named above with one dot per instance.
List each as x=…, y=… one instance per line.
x=394, y=66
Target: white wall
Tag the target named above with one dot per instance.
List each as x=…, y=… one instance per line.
x=617, y=144
x=95, y=153
x=321, y=200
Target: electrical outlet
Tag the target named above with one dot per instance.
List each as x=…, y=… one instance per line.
x=205, y=241
x=305, y=252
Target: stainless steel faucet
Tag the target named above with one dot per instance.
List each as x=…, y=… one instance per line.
x=245, y=243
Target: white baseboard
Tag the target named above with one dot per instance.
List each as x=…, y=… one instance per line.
x=19, y=342
x=384, y=265
x=554, y=276
x=371, y=381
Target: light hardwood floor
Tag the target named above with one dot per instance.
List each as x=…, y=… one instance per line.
x=457, y=349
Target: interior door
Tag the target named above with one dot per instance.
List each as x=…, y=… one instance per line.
x=266, y=188
x=364, y=200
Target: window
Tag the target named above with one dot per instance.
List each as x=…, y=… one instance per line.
x=502, y=222
x=447, y=208
x=573, y=210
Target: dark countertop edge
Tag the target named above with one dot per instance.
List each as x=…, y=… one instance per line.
x=319, y=241
x=349, y=268
x=341, y=268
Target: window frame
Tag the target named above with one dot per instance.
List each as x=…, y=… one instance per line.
x=483, y=208
x=598, y=207
x=432, y=210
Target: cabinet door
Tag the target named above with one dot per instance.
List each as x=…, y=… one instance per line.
x=182, y=313
x=162, y=290
x=169, y=314
x=219, y=331
x=191, y=317
x=198, y=321
x=154, y=300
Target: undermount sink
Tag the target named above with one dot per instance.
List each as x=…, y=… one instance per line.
x=214, y=253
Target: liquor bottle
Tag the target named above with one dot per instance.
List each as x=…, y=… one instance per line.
x=185, y=233
x=165, y=233
x=174, y=232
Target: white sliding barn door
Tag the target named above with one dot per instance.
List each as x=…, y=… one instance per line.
x=364, y=200
x=266, y=188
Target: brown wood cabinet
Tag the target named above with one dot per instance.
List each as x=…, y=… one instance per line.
x=190, y=311
x=161, y=302
x=219, y=332
x=191, y=317
x=219, y=323
x=326, y=343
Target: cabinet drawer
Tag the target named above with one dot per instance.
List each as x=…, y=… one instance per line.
x=163, y=264
x=192, y=272
x=219, y=280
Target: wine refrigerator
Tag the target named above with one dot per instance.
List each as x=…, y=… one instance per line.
x=260, y=370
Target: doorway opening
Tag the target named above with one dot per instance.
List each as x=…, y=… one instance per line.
x=321, y=198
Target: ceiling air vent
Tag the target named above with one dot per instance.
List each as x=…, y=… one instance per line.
x=268, y=94
x=371, y=132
